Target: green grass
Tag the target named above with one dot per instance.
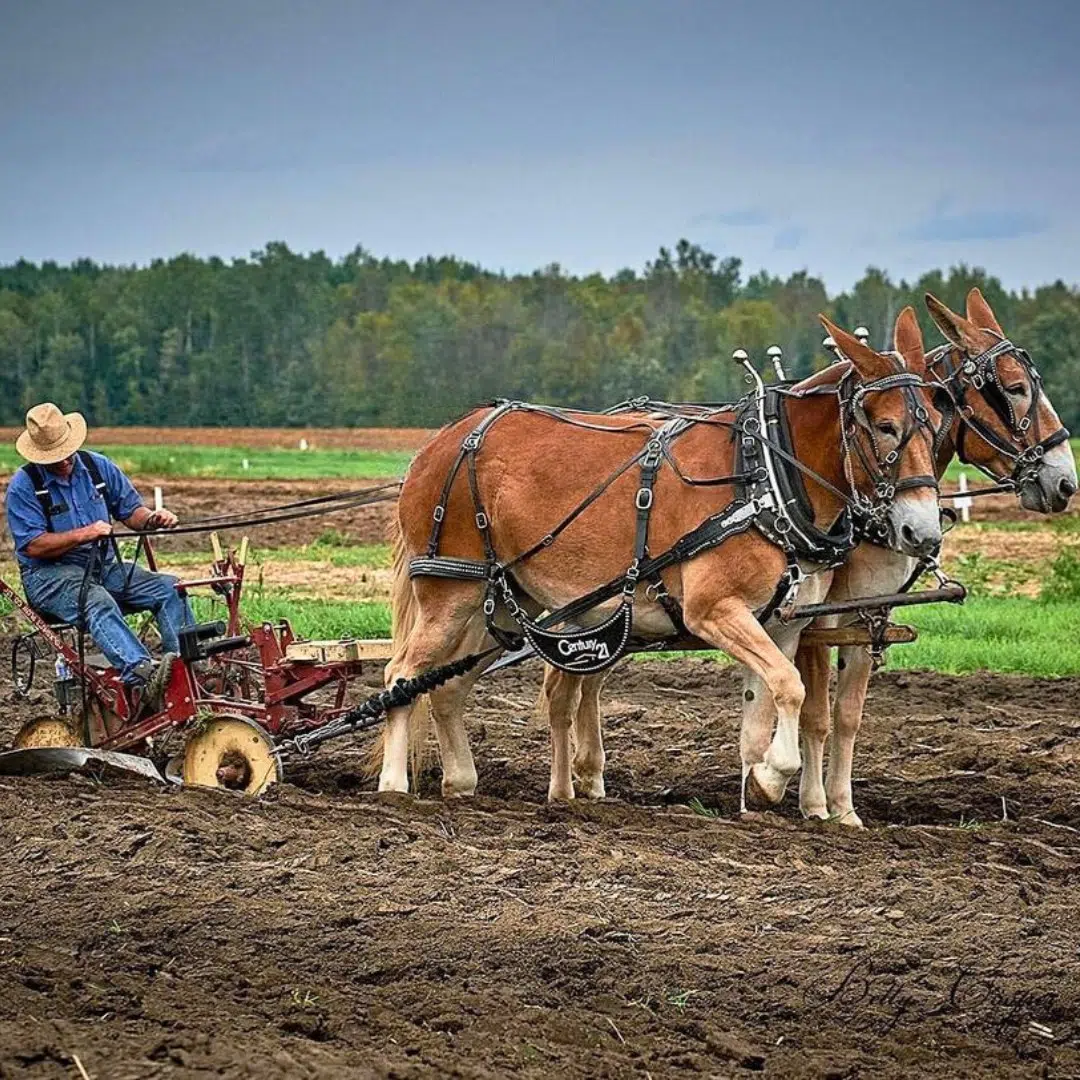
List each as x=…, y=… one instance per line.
x=309, y=618
x=228, y=462
x=374, y=556
x=1015, y=635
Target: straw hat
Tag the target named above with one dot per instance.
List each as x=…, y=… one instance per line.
x=50, y=435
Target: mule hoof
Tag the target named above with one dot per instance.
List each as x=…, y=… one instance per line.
x=591, y=789
x=815, y=813
x=755, y=797
x=560, y=795
x=850, y=819
x=458, y=791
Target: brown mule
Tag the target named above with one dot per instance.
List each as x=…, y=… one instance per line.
x=870, y=570
x=532, y=471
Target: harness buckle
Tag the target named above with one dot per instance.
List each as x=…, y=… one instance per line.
x=439, y=512
x=1024, y=423
x=892, y=457
x=482, y=521
x=977, y=382
x=885, y=490
x=782, y=524
x=489, y=606
x=644, y=499
x=472, y=442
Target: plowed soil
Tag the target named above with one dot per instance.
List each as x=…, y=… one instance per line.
x=324, y=931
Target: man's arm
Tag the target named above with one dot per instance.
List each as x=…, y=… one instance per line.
x=55, y=545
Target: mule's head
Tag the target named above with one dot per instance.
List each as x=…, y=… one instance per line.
x=1006, y=424
x=888, y=422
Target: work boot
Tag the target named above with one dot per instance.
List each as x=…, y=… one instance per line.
x=151, y=680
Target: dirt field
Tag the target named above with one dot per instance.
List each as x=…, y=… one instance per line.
x=325, y=931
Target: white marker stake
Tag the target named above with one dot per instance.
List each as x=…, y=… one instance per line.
x=963, y=501
x=244, y=465
x=158, y=502
x=303, y=444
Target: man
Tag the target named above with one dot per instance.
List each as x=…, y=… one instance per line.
x=60, y=507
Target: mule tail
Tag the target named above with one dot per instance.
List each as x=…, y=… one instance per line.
x=404, y=618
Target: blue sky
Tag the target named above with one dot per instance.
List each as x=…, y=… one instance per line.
x=792, y=133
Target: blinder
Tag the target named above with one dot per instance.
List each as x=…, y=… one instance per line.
x=980, y=374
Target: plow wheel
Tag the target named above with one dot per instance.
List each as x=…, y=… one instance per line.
x=47, y=731
x=231, y=752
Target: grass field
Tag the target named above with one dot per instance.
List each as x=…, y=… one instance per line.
x=227, y=462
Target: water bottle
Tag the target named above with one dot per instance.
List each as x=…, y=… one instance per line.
x=64, y=687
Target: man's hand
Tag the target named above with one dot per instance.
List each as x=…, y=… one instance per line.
x=146, y=520
x=95, y=531
x=162, y=519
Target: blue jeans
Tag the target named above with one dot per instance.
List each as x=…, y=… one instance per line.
x=54, y=590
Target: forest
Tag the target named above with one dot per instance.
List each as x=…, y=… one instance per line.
x=282, y=338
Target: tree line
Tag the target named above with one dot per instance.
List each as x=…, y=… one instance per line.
x=283, y=338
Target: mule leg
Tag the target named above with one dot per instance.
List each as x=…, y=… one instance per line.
x=589, y=757
x=731, y=626
x=437, y=637
x=813, y=664
x=561, y=693
x=852, y=680
x=756, y=732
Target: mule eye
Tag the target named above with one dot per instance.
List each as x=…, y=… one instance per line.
x=1016, y=389
x=887, y=427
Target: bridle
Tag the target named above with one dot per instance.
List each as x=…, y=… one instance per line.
x=871, y=512
x=979, y=374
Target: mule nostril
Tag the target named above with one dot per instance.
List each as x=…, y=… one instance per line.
x=1067, y=487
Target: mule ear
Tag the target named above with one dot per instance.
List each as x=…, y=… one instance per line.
x=979, y=313
x=955, y=327
x=870, y=364
x=909, y=341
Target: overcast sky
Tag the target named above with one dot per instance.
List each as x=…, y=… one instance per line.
x=792, y=133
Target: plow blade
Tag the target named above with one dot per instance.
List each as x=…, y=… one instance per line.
x=47, y=759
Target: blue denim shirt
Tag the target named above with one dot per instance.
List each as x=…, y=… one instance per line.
x=81, y=500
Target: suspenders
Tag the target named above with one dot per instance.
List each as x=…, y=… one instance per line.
x=41, y=488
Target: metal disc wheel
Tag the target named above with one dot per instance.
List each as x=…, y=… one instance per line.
x=231, y=752
x=47, y=731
